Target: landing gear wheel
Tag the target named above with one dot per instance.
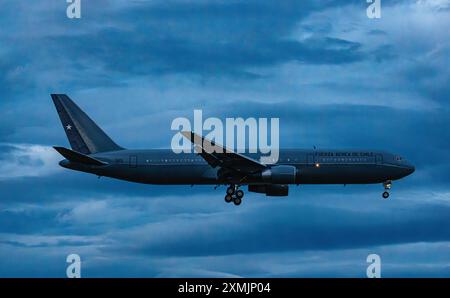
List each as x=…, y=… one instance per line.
x=234, y=194
x=385, y=195
x=230, y=190
x=228, y=198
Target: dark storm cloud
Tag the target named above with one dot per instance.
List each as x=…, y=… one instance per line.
x=112, y=44
x=13, y=76
x=166, y=38
x=163, y=225
x=144, y=54
x=19, y=222
x=429, y=79
x=302, y=227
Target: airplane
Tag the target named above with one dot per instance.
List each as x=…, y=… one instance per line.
x=93, y=151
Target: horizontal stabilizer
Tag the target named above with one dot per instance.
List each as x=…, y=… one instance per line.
x=79, y=157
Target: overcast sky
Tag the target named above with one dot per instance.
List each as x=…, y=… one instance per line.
x=334, y=77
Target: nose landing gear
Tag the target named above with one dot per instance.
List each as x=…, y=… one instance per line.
x=234, y=194
x=387, y=186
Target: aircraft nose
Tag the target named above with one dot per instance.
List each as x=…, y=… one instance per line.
x=410, y=169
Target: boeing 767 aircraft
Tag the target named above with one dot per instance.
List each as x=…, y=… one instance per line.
x=94, y=152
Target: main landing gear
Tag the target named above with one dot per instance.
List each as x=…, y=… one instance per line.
x=387, y=186
x=234, y=194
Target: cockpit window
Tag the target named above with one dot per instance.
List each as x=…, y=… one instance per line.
x=399, y=158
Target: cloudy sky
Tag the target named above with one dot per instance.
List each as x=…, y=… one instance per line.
x=334, y=77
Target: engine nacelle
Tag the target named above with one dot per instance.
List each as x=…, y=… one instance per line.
x=276, y=190
x=280, y=175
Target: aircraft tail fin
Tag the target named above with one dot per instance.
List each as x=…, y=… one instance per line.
x=83, y=133
x=79, y=157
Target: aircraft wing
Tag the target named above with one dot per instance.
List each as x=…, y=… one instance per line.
x=224, y=158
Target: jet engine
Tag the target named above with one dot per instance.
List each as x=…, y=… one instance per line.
x=279, y=175
x=276, y=190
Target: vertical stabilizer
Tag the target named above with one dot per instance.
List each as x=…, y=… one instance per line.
x=84, y=135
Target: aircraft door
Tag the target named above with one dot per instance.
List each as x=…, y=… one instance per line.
x=379, y=159
x=133, y=161
x=311, y=159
